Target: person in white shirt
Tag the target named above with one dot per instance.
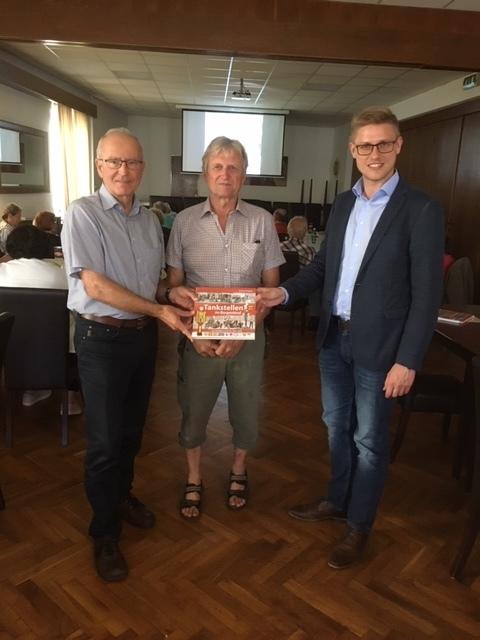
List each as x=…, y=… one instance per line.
x=11, y=218
x=30, y=264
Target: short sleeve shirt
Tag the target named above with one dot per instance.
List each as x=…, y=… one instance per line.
x=236, y=258
x=98, y=235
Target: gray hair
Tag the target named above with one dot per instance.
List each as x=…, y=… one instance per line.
x=164, y=207
x=297, y=227
x=224, y=144
x=123, y=131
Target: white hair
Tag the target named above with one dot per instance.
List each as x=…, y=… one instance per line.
x=120, y=131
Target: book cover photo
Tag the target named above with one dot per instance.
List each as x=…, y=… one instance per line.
x=224, y=313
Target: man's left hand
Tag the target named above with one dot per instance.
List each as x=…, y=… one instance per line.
x=229, y=348
x=399, y=381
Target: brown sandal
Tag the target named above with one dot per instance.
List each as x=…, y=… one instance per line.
x=242, y=480
x=189, y=502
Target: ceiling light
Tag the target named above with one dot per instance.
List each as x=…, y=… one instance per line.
x=242, y=93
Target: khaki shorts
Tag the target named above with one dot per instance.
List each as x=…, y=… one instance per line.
x=199, y=382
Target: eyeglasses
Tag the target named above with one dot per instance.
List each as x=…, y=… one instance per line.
x=116, y=163
x=383, y=147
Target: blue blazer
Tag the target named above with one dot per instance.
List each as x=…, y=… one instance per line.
x=399, y=284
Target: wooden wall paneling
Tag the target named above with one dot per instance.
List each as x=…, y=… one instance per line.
x=428, y=159
x=309, y=29
x=465, y=238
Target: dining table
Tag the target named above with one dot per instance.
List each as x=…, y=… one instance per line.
x=463, y=340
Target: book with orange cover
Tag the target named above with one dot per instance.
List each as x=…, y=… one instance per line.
x=448, y=316
x=222, y=313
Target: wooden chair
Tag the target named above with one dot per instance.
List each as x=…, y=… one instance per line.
x=6, y=323
x=472, y=526
x=430, y=393
x=37, y=353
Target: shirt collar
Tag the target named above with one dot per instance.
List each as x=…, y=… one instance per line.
x=110, y=202
x=386, y=189
x=241, y=207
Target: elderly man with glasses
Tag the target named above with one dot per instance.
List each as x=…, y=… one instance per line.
x=114, y=254
x=379, y=272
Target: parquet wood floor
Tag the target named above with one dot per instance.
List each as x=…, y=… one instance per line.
x=255, y=574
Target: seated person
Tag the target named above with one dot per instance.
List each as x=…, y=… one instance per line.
x=164, y=213
x=47, y=222
x=31, y=265
x=297, y=230
x=280, y=220
x=11, y=218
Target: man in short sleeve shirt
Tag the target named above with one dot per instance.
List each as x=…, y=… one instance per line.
x=223, y=242
x=114, y=254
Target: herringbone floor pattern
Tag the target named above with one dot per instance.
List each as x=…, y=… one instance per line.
x=255, y=574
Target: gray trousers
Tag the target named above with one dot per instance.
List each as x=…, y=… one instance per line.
x=199, y=382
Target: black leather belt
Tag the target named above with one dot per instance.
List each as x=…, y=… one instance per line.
x=134, y=323
x=342, y=324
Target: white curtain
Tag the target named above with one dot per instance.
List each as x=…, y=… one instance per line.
x=70, y=156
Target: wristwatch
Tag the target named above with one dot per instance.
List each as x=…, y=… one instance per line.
x=167, y=295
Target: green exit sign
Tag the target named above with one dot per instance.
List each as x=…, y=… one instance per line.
x=471, y=81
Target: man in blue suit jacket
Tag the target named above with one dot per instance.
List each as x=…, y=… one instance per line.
x=380, y=275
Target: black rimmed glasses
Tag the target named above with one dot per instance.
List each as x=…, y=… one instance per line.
x=116, y=163
x=365, y=149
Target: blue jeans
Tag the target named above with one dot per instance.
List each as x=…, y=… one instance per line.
x=357, y=416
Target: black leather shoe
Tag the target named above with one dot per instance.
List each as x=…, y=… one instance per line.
x=317, y=511
x=349, y=550
x=109, y=561
x=136, y=513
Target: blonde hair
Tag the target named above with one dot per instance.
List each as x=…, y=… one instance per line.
x=373, y=115
x=224, y=144
x=297, y=227
x=11, y=209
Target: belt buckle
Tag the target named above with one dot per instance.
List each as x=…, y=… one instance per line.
x=141, y=323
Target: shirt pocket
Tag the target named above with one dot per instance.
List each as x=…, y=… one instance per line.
x=252, y=257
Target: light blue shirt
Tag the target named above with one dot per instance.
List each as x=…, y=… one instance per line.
x=98, y=235
x=363, y=219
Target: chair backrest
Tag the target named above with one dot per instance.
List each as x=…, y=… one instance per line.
x=290, y=267
x=36, y=356
x=476, y=463
x=314, y=215
x=459, y=283
x=6, y=324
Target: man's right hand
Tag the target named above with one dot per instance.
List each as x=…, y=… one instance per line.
x=269, y=297
x=205, y=348
x=175, y=318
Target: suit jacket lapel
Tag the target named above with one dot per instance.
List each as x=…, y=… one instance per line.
x=386, y=219
x=337, y=237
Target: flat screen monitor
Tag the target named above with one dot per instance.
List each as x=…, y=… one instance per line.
x=261, y=134
x=9, y=146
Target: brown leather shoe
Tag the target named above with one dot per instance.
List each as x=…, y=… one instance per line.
x=109, y=561
x=349, y=550
x=136, y=513
x=317, y=511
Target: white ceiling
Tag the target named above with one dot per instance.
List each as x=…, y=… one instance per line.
x=153, y=83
